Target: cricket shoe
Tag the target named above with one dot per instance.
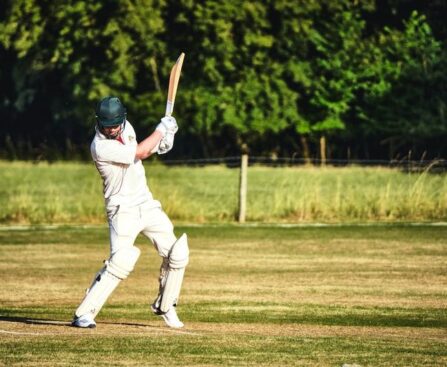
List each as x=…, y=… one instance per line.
x=170, y=317
x=85, y=321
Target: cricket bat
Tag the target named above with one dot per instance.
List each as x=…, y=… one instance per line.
x=173, y=84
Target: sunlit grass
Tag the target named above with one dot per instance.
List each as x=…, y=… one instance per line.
x=72, y=193
x=260, y=296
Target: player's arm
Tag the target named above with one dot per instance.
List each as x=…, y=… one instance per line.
x=147, y=147
x=160, y=141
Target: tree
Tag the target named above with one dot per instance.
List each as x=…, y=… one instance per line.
x=268, y=76
x=404, y=92
x=322, y=46
x=241, y=91
x=64, y=55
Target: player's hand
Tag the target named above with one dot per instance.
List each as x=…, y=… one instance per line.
x=166, y=143
x=167, y=124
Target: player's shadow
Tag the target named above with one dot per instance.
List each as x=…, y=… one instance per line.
x=33, y=321
x=128, y=324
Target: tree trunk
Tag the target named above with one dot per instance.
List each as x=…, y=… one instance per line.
x=154, y=68
x=305, y=146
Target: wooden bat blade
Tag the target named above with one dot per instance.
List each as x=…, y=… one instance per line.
x=173, y=83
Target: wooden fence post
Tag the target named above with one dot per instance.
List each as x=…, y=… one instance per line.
x=243, y=188
x=322, y=150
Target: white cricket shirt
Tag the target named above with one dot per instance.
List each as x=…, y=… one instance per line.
x=123, y=175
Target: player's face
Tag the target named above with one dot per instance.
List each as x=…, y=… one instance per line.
x=112, y=131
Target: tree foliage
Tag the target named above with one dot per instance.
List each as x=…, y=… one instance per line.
x=258, y=75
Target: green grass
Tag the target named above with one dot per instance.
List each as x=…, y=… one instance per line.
x=253, y=295
x=72, y=193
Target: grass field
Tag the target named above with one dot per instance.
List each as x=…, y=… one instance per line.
x=72, y=193
x=258, y=296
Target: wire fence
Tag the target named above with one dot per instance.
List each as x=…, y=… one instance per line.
x=300, y=192
x=436, y=165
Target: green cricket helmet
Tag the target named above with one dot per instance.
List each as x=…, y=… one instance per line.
x=110, y=112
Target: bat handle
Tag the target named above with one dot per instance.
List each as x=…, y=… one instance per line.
x=169, y=108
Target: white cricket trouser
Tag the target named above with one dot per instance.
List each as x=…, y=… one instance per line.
x=126, y=223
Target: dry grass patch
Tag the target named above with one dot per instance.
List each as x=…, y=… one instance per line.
x=31, y=328
x=252, y=296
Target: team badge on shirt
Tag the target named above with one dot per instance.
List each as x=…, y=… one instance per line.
x=131, y=138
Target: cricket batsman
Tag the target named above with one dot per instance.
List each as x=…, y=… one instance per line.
x=131, y=210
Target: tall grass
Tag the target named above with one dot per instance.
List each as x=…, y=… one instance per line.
x=72, y=193
x=346, y=194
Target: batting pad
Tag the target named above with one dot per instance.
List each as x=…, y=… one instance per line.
x=105, y=283
x=171, y=291
x=117, y=268
x=179, y=255
x=123, y=261
x=178, y=259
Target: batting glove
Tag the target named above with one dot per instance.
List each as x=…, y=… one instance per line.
x=167, y=124
x=166, y=143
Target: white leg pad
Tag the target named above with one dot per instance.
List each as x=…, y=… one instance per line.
x=117, y=268
x=122, y=262
x=172, y=279
x=172, y=289
x=103, y=286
